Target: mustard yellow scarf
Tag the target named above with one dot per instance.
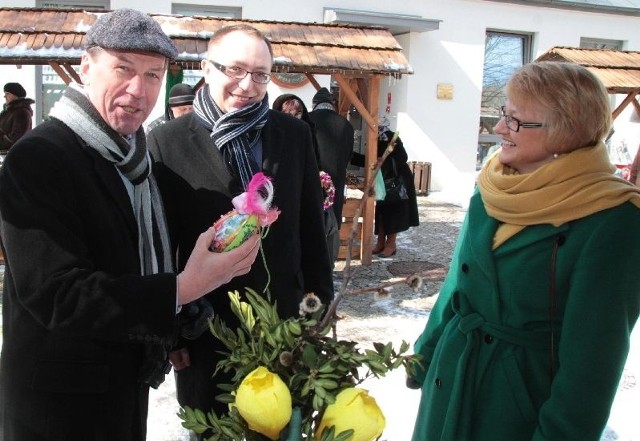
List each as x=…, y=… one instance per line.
x=570, y=187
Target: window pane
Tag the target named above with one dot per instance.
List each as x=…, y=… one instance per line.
x=504, y=53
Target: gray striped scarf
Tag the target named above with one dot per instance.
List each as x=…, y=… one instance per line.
x=233, y=133
x=76, y=111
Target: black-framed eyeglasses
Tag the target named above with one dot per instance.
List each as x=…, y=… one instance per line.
x=238, y=73
x=514, y=124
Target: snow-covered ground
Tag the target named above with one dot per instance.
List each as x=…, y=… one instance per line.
x=400, y=404
x=402, y=317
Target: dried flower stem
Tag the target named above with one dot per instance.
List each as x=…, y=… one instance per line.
x=402, y=281
x=346, y=274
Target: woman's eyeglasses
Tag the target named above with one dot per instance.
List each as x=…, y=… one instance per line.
x=514, y=124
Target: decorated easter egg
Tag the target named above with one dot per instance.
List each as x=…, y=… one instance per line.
x=233, y=229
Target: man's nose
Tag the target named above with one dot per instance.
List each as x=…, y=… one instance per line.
x=136, y=86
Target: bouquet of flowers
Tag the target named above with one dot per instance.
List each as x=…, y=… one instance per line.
x=292, y=380
x=328, y=188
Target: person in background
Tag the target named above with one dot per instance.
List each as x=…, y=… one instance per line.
x=16, y=115
x=392, y=217
x=530, y=332
x=232, y=134
x=294, y=106
x=180, y=103
x=334, y=135
x=90, y=295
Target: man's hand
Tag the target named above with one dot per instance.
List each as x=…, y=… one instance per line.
x=206, y=270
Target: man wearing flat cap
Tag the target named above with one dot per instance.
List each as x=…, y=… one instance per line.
x=90, y=293
x=15, y=118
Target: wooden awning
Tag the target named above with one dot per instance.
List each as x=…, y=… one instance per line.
x=42, y=36
x=357, y=57
x=619, y=71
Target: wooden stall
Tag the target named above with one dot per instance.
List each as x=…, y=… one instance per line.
x=356, y=57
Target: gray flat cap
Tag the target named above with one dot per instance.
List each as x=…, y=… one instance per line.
x=130, y=30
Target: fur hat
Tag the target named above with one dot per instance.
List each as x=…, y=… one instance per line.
x=181, y=95
x=16, y=89
x=322, y=96
x=130, y=30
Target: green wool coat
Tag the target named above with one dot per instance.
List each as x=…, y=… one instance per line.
x=491, y=371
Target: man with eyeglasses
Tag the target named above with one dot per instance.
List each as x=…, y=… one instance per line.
x=207, y=158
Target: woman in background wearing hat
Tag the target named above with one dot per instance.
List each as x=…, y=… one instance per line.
x=15, y=119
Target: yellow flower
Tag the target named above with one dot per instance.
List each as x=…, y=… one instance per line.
x=264, y=401
x=354, y=409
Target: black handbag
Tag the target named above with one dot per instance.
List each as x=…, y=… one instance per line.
x=396, y=190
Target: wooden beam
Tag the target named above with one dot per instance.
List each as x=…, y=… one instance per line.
x=636, y=104
x=61, y=73
x=346, y=88
x=371, y=160
x=631, y=97
x=313, y=80
x=72, y=73
x=368, y=111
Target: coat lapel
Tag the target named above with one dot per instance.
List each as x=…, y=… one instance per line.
x=114, y=188
x=207, y=155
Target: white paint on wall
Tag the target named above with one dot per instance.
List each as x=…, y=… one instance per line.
x=443, y=132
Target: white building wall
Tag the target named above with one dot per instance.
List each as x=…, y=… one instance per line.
x=443, y=132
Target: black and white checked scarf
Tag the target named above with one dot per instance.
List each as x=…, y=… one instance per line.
x=76, y=111
x=233, y=133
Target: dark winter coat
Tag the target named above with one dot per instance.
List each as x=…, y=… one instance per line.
x=76, y=312
x=334, y=135
x=197, y=189
x=492, y=371
x=15, y=121
x=398, y=216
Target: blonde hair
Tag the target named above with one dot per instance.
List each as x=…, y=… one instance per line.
x=574, y=103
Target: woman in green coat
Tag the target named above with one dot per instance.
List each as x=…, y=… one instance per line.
x=531, y=330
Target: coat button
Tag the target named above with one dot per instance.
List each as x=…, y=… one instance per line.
x=438, y=383
x=465, y=268
x=488, y=338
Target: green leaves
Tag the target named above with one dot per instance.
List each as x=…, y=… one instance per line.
x=226, y=428
x=314, y=366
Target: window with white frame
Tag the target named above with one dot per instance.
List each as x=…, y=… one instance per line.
x=504, y=53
